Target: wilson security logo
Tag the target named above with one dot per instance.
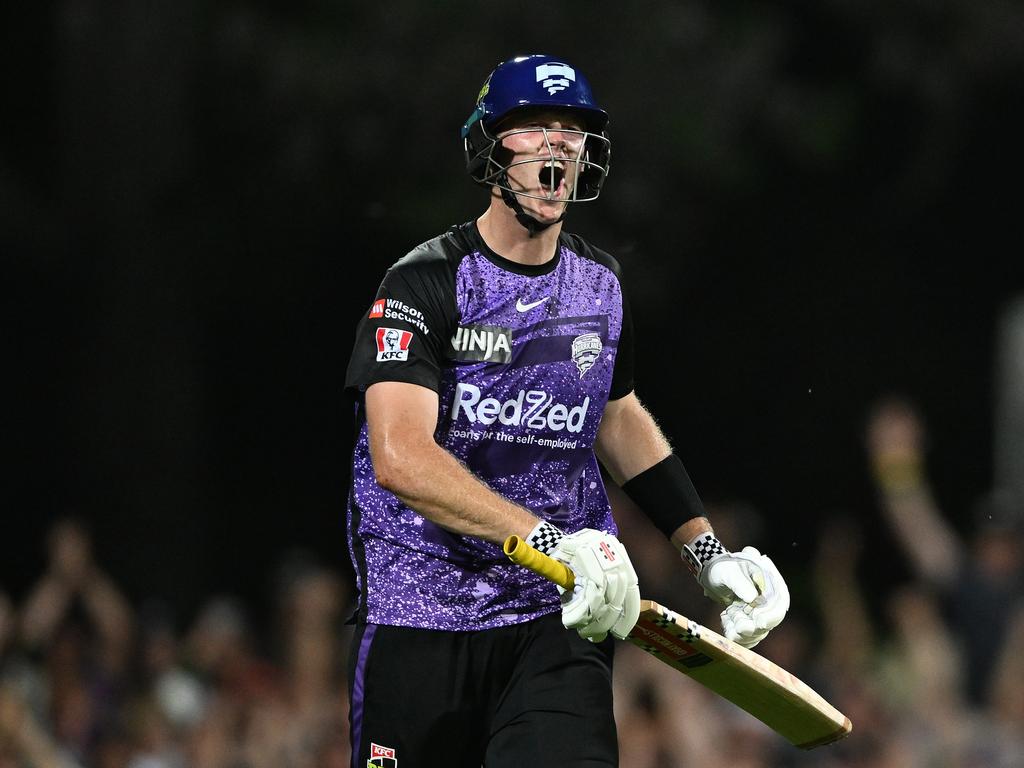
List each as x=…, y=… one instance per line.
x=555, y=77
x=530, y=408
x=393, y=309
x=482, y=343
x=392, y=344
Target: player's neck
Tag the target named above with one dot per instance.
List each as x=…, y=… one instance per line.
x=507, y=237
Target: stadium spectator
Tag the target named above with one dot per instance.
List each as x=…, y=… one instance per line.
x=981, y=580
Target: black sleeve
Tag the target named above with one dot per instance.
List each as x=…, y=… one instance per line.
x=622, y=376
x=404, y=333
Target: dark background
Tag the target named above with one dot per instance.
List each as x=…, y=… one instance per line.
x=815, y=203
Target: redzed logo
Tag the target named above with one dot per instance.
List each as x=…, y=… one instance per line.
x=377, y=310
x=393, y=344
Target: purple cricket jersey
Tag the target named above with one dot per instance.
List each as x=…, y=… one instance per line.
x=524, y=359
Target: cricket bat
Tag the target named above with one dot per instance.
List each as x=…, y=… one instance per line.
x=765, y=690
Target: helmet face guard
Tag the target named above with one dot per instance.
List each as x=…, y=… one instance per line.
x=581, y=159
x=538, y=84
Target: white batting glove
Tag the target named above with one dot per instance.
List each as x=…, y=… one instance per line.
x=606, y=597
x=746, y=582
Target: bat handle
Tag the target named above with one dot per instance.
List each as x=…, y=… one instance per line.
x=521, y=553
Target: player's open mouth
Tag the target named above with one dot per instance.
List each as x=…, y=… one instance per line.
x=552, y=179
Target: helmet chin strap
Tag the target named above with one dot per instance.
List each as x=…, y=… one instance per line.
x=532, y=225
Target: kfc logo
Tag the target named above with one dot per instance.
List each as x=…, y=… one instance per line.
x=393, y=344
x=382, y=757
x=377, y=310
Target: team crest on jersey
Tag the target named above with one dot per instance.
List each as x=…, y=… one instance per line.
x=585, y=350
x=555, y=77
x=381, y=757
x=393, y=344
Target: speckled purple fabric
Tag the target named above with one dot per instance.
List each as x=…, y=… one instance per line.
x=526, y=427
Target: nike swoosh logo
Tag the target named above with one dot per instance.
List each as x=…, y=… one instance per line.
x=520, y=307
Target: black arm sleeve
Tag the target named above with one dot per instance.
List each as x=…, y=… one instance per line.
x=666, y=494
x=404, y=333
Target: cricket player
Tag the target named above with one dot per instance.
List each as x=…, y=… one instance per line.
x=492, y=371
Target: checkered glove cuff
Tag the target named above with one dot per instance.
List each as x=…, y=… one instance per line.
x=700, y=551
x=545, y=537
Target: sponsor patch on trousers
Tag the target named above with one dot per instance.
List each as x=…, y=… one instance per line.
x=382, y=757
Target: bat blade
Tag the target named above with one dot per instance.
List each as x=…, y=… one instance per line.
x=777, y=698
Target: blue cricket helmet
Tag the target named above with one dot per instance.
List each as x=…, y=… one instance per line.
x=535, y=82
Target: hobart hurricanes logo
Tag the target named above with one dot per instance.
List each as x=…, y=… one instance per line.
x=531, y=408
x=555, y=77
x=585, y=350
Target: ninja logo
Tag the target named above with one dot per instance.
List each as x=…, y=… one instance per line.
x=392, y=344
x=484, y=343
x=555, y=77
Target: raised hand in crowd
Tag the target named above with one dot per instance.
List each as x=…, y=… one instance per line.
x=980, y=577
x=73, y=575
x=896, y=449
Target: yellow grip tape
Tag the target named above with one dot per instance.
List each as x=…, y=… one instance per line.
x=521, y=553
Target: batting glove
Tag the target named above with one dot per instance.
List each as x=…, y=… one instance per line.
x=746, y=582
x=606, y=596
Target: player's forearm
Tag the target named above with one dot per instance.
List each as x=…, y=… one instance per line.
x=629, y=443
x=432, y=482
x=629, y=440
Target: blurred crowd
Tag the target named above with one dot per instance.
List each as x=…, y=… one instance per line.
x=86, y=680
x=936, y=679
